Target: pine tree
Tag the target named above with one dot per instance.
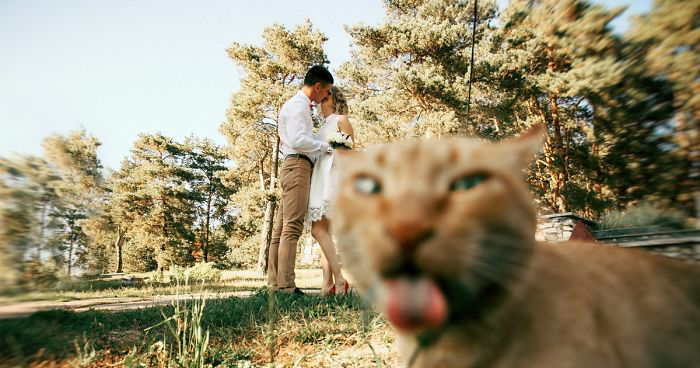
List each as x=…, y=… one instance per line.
x=74, y=158
x=30, y=182
x=151, y=188
x=409, y=77
x=208, y=165
x=670, y=38
x=553, y=57
x=17, y=205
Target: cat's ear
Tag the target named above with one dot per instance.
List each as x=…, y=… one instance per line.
x=526, y=145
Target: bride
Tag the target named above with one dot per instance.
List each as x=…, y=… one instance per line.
x=334, y=108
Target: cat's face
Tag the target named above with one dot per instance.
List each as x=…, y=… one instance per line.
x=425, y=228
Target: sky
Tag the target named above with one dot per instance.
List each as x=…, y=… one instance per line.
x=120, y=68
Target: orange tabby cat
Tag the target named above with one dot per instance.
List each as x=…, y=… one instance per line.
x=440, y=236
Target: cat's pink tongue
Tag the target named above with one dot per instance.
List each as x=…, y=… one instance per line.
x=415, y=304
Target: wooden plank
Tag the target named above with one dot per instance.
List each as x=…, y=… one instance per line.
x=655, y=242
x=659, y=233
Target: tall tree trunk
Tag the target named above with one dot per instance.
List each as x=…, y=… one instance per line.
x=559, y=172
x=558, y=141
x=40, y=241
x=551, y=174
x=161, y=257
x=70, y=258
x=266, y=234
x=119, y=246
x=206, y=230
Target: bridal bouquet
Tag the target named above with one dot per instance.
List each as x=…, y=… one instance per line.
x=340, y=140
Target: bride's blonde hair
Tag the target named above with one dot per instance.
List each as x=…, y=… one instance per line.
x=340, y=104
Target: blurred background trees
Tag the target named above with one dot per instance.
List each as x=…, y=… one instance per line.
x=622, y=113
x=620, y=119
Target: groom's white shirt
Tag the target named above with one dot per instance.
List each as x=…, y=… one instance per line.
x=295, y=126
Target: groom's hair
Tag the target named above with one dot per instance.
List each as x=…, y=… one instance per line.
x=318, y=74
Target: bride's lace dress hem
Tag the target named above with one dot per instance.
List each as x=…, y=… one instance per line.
x=316, y=213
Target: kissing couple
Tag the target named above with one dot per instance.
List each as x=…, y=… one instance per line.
x=306, y=180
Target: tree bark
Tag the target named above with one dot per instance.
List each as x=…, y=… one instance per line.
x=161, y=258
x=70, y=258
x=119, y=245
x=206, y=230
x=40, y=241
x=558, y=172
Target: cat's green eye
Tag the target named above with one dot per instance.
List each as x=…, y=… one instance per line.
x=467, y=182
x=367, y=185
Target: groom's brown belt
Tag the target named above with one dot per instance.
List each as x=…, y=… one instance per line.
x=299, y=155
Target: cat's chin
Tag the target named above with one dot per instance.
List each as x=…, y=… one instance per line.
x=414, y=303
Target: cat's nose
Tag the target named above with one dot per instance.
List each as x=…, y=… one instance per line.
x=409, y=232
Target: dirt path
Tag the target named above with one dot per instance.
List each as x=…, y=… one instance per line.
x=114, y=304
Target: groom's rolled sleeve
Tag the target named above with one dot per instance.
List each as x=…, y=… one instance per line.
x=299, y=130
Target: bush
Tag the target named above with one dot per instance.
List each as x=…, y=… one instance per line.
x=203, y=272
x=643, y=214
x=139, y=257
x=45, y=276
x=245, y=254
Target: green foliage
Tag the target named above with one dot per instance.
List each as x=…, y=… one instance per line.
x=643, y=214
x=172, y=198
x=74, y=159
x=211, y=190
x=611, y=138
x=243, y=255
x=667, y=39
x=409, y=76
x=157, y=277
x=43, y=200
x=45, y=275
x=139, y=257
x=153, y=186
x=201, y=272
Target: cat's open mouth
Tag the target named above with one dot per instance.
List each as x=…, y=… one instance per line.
x=414, y=303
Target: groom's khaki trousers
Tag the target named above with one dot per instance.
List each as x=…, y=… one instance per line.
x=295, y=180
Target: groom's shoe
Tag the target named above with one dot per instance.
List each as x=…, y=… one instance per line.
x=298, y=292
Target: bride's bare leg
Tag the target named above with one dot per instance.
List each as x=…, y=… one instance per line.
x=327, y=283
x=320, y=232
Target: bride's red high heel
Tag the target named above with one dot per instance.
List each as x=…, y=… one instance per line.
x=330, y=292
x=345, y=288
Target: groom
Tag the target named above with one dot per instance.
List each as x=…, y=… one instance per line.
x=300, y=150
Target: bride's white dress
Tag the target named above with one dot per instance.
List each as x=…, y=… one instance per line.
x=321, y=187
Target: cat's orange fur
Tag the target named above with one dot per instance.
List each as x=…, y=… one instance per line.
x=511, y=301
